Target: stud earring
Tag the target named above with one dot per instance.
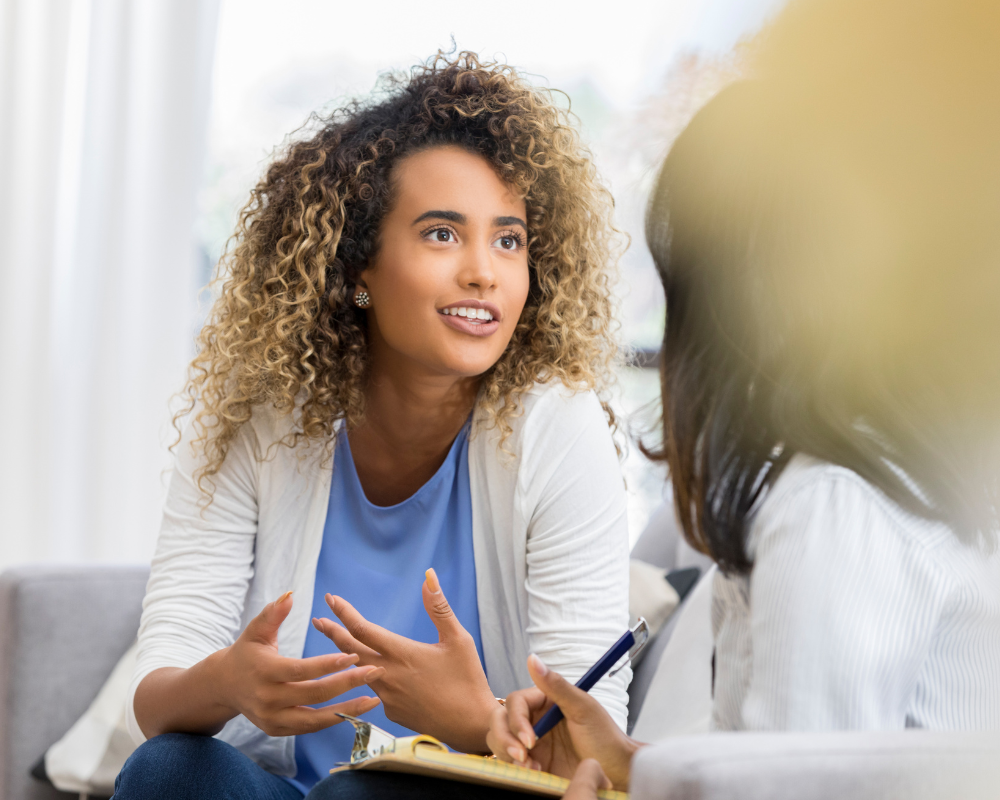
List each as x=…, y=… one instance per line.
x=362, y=300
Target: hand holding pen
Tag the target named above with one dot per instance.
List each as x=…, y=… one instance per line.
x=587, y=731
x=620, y=654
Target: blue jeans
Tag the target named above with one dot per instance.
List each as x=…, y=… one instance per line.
x=181, y=766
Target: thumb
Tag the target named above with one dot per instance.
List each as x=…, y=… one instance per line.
x=264, y=627
x=587, y=780
x=572, y=701
x=438, y=609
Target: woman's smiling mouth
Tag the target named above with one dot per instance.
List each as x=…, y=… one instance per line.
x=472, y=316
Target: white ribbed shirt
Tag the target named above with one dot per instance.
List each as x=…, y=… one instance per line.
x=856, y=615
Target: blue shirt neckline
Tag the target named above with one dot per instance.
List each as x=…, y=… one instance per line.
x=440, y=474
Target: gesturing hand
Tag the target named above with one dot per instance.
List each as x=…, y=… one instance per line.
x=586, y=731
x=439, y=689
x=275, y=692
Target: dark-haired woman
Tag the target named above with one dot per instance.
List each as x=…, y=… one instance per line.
x=816, y=454
x=397, y=381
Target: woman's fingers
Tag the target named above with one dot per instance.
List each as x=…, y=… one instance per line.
x=287, y=670
x=344, y=641
x=588, y=778
x=574, y=703
x=438, y=609
x=522, y=707
x=353, y=708
x=311, y=693
x=263, y=629
x=309, y=720
x=367, y=633
x=502, y=742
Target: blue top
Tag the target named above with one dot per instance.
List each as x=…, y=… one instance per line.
x=375, y=557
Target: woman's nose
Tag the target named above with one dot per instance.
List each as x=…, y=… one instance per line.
x=477, y=269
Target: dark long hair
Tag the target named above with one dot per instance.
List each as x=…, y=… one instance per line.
x=740, y=397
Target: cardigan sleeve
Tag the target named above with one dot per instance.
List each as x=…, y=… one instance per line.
x=203, y=563
x=572, y=495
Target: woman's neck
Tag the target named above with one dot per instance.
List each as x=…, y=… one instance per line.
x=411, y=419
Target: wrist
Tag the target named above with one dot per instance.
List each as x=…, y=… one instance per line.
x=621, y=772
x=215, y=675
x=474, y=738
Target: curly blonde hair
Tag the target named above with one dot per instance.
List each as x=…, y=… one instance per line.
x=284, y=331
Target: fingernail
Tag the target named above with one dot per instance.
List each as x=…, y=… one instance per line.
x=516, y=754
x=540, y=667
x=375, y=674
x=283, y=598
x=525, y=739
x=432, y=581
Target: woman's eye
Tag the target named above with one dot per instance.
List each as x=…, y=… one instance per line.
x=442, y=235
x=508, y=243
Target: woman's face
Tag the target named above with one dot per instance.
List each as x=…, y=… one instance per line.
x=451, y=275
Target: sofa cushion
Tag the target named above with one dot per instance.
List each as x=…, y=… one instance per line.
x=62, y=630
x=650, y=595
x=672, y=688
x=92, y=753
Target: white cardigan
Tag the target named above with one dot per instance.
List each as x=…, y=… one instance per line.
x=549, y=534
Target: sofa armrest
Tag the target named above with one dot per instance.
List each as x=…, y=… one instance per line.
x=915, y=765
x=62, y=630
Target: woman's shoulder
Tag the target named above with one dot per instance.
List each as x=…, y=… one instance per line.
x=812, y=494
x=268, y=423
x=264, y=442
x=552, y=421
x=558, y=416
x=556, y=400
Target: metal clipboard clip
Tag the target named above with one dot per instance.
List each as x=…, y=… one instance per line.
x=369, y=740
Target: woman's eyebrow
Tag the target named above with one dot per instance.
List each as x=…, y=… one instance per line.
x=498, y=221
x=461, y=219
x=450, y=216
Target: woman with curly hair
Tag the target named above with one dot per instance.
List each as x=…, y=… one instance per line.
x=400, y=376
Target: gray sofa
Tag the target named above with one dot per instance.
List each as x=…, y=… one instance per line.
x=63, y=629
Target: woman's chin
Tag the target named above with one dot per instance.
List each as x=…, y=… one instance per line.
x=468, y=365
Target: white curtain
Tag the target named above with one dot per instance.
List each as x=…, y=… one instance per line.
x=103, y=117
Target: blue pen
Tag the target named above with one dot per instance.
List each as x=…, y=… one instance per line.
x=631, y=643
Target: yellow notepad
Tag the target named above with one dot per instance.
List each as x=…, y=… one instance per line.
x=374, y=749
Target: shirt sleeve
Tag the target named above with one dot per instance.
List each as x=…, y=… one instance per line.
x=577, y=546
x=844, y=597
x=203, y=563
